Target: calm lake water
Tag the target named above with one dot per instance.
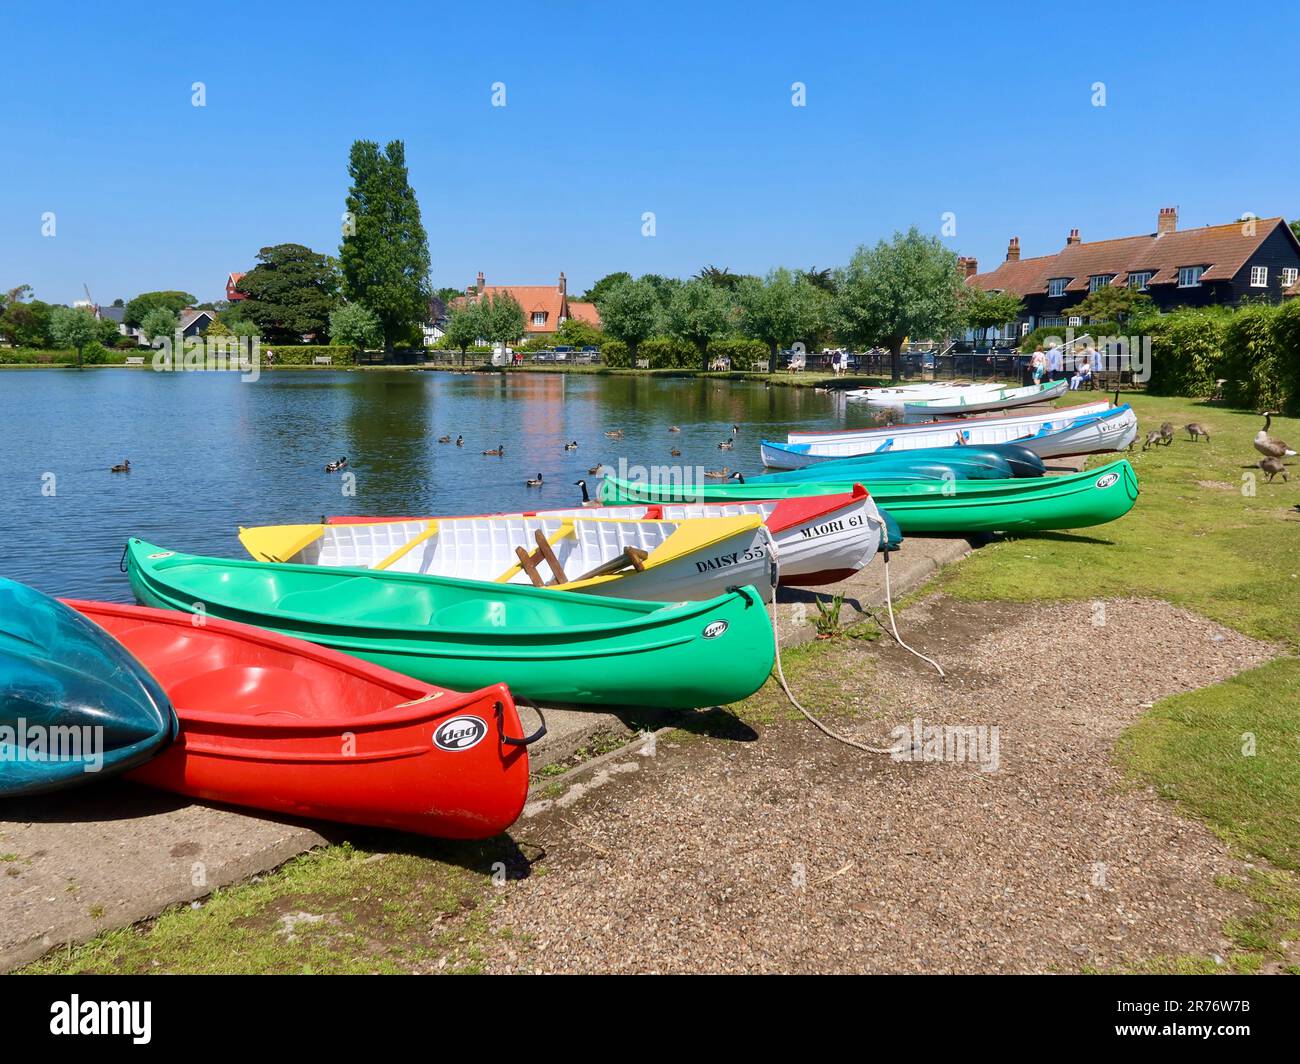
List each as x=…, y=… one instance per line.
x=209, y=453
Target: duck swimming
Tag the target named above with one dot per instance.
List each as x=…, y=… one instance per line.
x=594, y=469
x=718, y=474
x=498, y=452
x=537, y=483
x=125, y=467
x=572, y=445
x=460, y=441
x=444, y=439
x=334, y=467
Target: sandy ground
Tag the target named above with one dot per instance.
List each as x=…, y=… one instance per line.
x=793, y=853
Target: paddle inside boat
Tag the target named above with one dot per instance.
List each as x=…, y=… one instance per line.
x=553, y=646
x=74, y=706
x=275, y=723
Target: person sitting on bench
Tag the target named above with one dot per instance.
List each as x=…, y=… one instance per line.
x=1082, y=370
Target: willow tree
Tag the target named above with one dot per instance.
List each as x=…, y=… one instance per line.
x=384, y=256
x=780, y=309
x=905, y=287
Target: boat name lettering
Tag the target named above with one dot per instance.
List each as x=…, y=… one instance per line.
x=460, y=733
x=725, y=561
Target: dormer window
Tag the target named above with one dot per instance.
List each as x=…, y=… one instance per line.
x=1190, y=276
x=1056, y=286
x=1099, y=280
x=539, y=317
x=1140, y=280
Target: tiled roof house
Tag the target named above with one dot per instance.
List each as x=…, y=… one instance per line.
x=545, y=306
x=1254, y=258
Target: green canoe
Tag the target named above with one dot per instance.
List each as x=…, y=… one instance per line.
x=553, y=646
x=1021, y=505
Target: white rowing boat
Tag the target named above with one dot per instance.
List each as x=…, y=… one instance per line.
x=806, y=448
x=667, y=561
x=819, y=539
x=983, y=401
x=897, y=397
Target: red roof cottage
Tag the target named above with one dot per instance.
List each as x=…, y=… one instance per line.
x=545, y=306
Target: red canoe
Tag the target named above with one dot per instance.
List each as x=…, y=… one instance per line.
x=279, y=724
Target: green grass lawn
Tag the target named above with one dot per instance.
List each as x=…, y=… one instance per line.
x=1193, y=538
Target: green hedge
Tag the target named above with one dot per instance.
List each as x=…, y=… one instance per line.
x=666, y=352
x=1286, y=339
x=1252, y=362
x=1187, y=352
x=615, y=355
x=302, y=354
x=24, y=356
x=1030, y=341
x=743, y=353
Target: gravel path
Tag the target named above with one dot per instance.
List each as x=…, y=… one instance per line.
x=793, y=853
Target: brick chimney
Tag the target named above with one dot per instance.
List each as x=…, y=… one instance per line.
x=969, y=266
x=1168, y=220
x=478, y=283
x=1013, y=249
x=563, y=285
x=1073, y=238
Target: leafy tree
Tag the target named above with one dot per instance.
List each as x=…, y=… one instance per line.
x=501, y=318
x=601, y=288
x=25, y=323
x=73, y=327
x=823, y=279
x=291, y=292
x=464, y=326
x=699, y=312
x=631, y=311
x=780, y=309
x=18, y=294
x=1110, y=303
x=1295, y=228
x=981, y=310
x=159, y=322
x=578, y=333
x=385, y=259
x=718, y=277
x=447, y=295
x=907, y=286
x=147, y=301
x=355, y=325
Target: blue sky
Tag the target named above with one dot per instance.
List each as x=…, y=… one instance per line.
x=682, y=109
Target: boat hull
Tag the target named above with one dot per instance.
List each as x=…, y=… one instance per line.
x=1078, y=500
x=1000, y=461
x=552, y=646
x=278, y=724
x=981, y=402
x=74, y=706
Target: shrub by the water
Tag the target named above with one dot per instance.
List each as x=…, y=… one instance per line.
x=1252, y=359
x=1187, y=352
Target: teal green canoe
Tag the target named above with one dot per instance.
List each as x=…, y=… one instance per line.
x=553, y=646
x=1077, y=500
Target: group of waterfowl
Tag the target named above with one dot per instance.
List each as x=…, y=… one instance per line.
x=1273, y=449
x=460, y=440
x=335, y=466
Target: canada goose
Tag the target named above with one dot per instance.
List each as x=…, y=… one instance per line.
x=444, y=439
x=460, y=441
x=1271, y=446
x=530, y=482
x=1153, y=437
x=726, y=445
x=498, y=452
x=125, y=467
x=1167, y=433
x=1273, y=466
x=673, y=428
x=586, y=498
x=675, y=452
x=1196, y=430
x=572, y=445
x=718, y=474
x=334, y=467
x=736, y=476
x=735, y=430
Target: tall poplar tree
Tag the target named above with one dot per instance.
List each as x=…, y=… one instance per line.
x=384, y=256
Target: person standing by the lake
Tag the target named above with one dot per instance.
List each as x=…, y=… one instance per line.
x=1054, y=362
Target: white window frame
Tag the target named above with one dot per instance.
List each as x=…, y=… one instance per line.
x=539, y=317
x=1146, y=276
x=1075, y=321
x=1260, y=272
x=1289, y=276
x=1099, y=281
x=1056, y=286
x=1187, y=271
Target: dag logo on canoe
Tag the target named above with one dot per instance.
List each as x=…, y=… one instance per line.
x=460, y=733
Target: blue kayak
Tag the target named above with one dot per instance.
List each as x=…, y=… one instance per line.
x=74, y=705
